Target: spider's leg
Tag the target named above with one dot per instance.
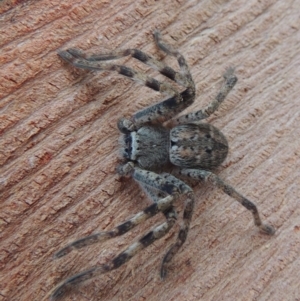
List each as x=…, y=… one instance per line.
x=167, y=183
x=183, y=231
x=77, y=58
x=142, y=57
x=120, y=259
x=168, y=108
x=210, y=177
x=161, y=111
x=159, y=206
x=230, y=81
x=170, y=50
x=153, y=194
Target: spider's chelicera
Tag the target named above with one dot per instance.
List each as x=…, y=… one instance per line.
x=194, y=148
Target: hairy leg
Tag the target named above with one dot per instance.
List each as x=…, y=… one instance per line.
x=164, y=182
x=78, y=59
x=63, y=288
x=230, y=81
x=158, y=112
x=212, y=178
x=143, y=57
x=159, y=206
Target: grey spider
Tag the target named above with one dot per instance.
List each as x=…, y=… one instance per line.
x=194, y=148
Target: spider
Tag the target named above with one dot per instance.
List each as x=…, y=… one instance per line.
x=148, y=145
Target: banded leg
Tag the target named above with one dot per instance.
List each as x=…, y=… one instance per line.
x=159, y=206
x=182, y=234
x=78, y=59
x=230, y=81
x=183, y=77
x=208, y=176
x=153, y=194
x=139, y=55
x=158, y=112
x=165, y=183
x=161, y=111
x=184, y=68
x=120, y=259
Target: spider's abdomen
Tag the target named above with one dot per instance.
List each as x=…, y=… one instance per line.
x=197, y=146
x=148, y=146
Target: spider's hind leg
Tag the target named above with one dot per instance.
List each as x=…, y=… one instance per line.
x=230, y=81
x=212, y=178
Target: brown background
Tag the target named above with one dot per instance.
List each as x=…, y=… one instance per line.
x=59, y=148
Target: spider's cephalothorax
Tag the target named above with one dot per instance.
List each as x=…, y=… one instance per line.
x=147, y=146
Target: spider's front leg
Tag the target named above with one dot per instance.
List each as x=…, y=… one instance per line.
x=163, y=205
x=212, y=178
x=162, y=111
x=63, y=288
x=168, y=184
x=160, y=205
x=170, y=188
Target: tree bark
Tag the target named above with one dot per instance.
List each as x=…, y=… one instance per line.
x=59, y=148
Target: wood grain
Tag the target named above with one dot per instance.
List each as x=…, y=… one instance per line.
x=59, y=148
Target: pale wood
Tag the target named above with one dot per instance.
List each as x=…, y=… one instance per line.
x=59, y=149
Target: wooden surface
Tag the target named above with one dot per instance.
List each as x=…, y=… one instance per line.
x=59, y=148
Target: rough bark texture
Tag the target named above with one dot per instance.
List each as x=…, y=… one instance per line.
x=59, y=148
